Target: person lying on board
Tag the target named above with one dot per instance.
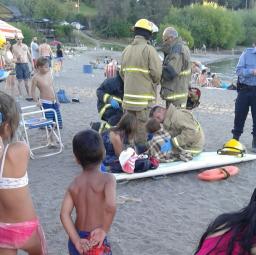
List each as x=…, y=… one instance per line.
x=159, y=146
x=186, y=133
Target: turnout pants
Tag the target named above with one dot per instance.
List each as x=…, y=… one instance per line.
x=140, y=134
x=246, y=98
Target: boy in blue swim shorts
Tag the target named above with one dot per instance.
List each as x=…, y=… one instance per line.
x=93, y=195
x=44, y=82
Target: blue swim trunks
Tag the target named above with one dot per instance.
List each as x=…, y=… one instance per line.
x=105, y=249
x=50, y=115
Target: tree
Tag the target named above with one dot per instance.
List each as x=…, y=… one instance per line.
x=50, y=9
x=112, y=14
x=150, y=9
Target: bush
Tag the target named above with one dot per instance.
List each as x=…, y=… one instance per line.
x=209, y=24
x=115, y=28
x=249, y=23
x=27, y=32
x=183, y=33
x=63, y=32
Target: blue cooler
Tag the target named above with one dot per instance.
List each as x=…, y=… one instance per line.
x=87, y=68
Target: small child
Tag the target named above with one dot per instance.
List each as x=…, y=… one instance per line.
x=93, y=195
x=160, y=145
x=44, y=82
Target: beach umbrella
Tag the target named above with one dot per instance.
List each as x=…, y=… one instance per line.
x=55, y=43
x=9, y=31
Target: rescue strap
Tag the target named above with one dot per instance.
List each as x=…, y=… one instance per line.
x=185, y=72
x=135, y=69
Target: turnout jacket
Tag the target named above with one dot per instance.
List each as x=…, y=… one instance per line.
x=141, y=70
x=176, y=73
x=186, y=132
x=110, y=88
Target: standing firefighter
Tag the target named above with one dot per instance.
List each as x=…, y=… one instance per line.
x=141, y=70
x=176, y=74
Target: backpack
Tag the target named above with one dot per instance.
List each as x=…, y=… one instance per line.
x=62, y=97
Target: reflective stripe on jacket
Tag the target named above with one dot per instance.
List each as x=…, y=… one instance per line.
x=110, y=88
x=141, y=70
x=176, y=74
x=184, y=129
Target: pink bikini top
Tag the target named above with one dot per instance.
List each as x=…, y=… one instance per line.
x=11, y=183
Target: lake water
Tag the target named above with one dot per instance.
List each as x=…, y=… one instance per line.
x=225, y=69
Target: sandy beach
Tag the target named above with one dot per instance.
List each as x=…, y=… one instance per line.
x=166, y=215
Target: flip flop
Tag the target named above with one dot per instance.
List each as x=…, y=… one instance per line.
x=216, y=174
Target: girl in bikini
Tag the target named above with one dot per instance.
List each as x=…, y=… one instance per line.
x=19, y=224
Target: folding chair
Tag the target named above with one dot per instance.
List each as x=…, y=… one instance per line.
x=31, y=120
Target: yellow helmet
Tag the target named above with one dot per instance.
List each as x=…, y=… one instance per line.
x=144, y=24
x=2, y=41
x=232, y=147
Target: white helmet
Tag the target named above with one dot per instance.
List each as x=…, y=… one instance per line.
x=154, y=27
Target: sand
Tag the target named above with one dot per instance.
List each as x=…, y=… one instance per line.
x=162, y=216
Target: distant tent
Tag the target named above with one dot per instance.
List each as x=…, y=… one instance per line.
x=9, y=31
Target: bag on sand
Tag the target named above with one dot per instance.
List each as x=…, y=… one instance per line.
x=133, y=163
x=62, y=97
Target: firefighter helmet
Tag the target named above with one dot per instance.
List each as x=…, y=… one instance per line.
x=232, y=147
x=144, y=24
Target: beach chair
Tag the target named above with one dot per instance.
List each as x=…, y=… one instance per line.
x=34, y=119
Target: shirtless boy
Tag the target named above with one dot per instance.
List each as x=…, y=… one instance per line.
x=93, y=195
x=44, y=82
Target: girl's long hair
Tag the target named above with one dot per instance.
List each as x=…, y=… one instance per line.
x=127, y=125
x=242, y=225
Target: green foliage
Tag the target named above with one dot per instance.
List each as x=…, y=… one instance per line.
x=249, y=24
x=209, y=24
x=183, y=33
x=50, y=9
x=87, y=10
x=27, y=32
x=63, y=33
x=117, y=28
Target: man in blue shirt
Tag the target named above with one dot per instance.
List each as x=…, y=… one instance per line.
x=246, y=97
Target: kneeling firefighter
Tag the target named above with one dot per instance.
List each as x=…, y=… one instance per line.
x=141, y=71
x=110, y=96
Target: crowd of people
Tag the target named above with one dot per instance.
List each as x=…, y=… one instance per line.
x=126, y=104
x=20, y=61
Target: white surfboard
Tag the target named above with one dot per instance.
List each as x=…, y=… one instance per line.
x=203, y=161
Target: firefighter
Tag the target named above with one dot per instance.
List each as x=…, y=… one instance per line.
x=110, y=95
x=186, y=133
x=141, y=70
x=176, y=74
